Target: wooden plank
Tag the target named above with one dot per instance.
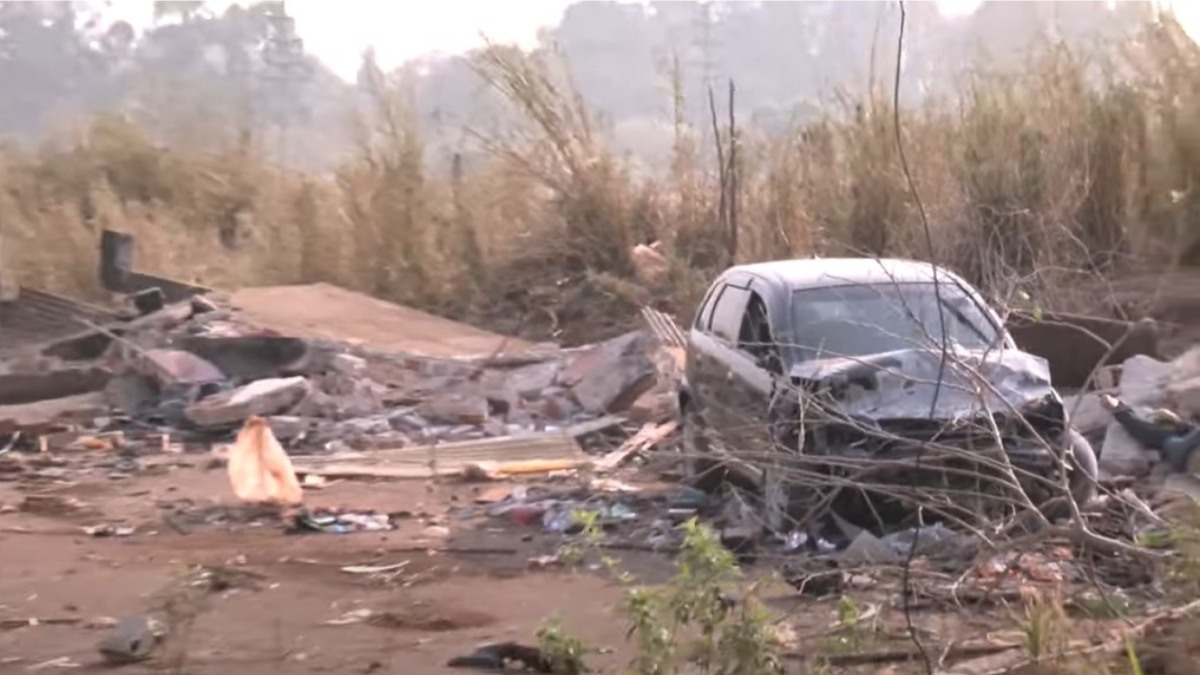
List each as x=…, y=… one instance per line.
x=647, y=437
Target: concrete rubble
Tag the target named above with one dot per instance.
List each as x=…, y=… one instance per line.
x=1145, y=384
x=194, y=371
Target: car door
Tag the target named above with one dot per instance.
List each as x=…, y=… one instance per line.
x=710, y=349
x=732, y=386
x=757, y=367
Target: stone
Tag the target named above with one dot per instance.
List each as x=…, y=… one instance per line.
x=1143, y=385
x=1185, y=396
x=867, y=549
x=132, y=640
x=455, y=408
x=175, y=366
x=262, y=397
x=609, y=377
x=533, y=380
x=287, y=427
x=1087, y=415
x=348, y=364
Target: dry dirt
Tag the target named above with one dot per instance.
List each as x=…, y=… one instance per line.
x=442, y=605
x=328, y=312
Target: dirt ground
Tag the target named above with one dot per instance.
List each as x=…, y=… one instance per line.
x=442, y=606
x=465, y=581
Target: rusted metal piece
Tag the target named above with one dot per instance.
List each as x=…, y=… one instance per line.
x=1076, y=345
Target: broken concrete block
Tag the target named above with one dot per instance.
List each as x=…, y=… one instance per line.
x=1144, y=382
x=1185, y=396
x=530, y=381
x=1087, y=415
x=348, y=364
x=262, y=398
x=455, y=408
x=654, y=406
x=249, y=357
x=167, y=366
x=613, y=374
x=287, y=427
x=1121, y=455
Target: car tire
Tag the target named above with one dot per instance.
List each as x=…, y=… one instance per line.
x=1084, y=475
x=1085, y=468
x=699, y=469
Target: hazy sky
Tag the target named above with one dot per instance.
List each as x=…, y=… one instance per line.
x=337, y=31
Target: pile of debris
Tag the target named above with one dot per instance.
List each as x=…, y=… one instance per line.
x=1165, y=393
x=190, y=373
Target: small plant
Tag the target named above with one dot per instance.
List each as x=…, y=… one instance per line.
x=1042, y=626
x=564, y=651
x=730, y=637
x=590, y=536
x=847, y=637
x=1131, y=656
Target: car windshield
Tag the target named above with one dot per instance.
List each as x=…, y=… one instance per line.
x=859, y=320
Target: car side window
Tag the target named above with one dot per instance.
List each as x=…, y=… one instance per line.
x=755, y=337
x=728, y=311
x=706, y=307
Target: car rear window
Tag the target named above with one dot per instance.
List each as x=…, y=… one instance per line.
x=858, y=320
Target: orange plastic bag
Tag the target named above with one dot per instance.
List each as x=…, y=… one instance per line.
x=259, y=470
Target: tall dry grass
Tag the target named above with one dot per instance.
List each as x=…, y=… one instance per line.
x=1077, y=167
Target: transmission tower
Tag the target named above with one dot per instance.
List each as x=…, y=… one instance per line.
x=704, y=43
x=286, y=69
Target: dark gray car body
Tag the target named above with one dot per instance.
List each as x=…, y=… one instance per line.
x=741, y=391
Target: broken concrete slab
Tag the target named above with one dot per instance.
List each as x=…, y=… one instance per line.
x=329, y=312
x=262, y=397
x=613, y=374
x=531, y=380
x=42, y=415
x=17, y=388
x=249, y=357
x=174, y=366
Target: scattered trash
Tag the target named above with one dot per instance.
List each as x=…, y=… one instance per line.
x=108, y=531
x=340, y=523
x=375, y=569
x=60, y=662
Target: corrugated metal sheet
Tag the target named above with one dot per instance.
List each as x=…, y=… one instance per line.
x=664, y=328
x=36, y=316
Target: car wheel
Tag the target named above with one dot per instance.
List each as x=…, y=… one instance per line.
x=1084, y=474
x=699, y=469
x=1085, y=469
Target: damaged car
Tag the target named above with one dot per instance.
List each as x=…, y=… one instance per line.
x=855, y=382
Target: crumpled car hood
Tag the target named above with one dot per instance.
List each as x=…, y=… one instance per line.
x=901, y=384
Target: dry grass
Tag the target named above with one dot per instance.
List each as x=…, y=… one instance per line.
x=1077, y=167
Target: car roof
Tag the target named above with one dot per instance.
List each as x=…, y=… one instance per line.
x=826, y=272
